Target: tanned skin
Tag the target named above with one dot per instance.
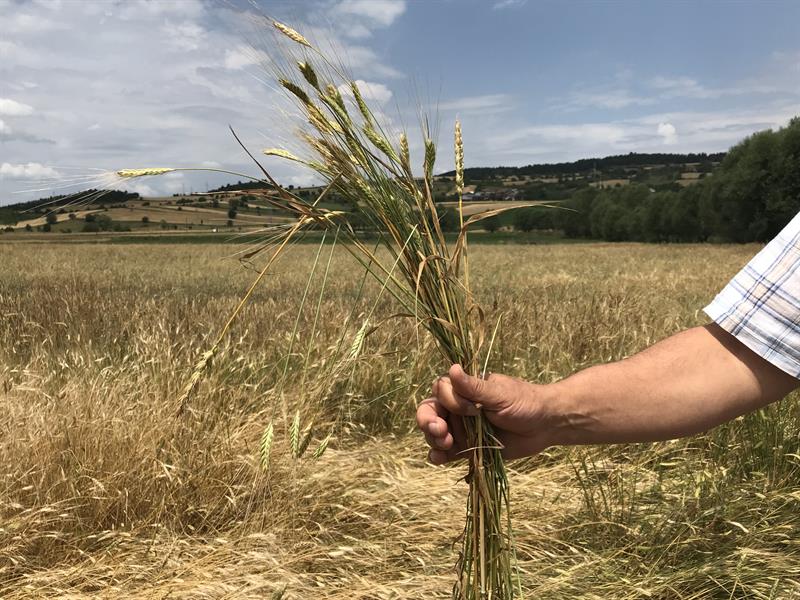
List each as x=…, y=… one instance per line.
x=683, y=385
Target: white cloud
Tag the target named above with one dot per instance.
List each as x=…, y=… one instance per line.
x=488, y=102
x=27, y=23
x=371, y=91
x=501, y=4
x=12, y=108
x=612, y=99
x=144, y=190
x=29, y=170
x=380, y=12
x=7, y=49
x=364, y=61
x=357, y=31
x=668, y=132
x=138, y=10
x=4, y=129
x=683, y=87
x=244, y=56
x=186, y=36
x=700, y=132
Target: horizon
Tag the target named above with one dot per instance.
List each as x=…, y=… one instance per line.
x=532, y=83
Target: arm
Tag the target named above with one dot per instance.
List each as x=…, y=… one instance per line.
x=685, y=384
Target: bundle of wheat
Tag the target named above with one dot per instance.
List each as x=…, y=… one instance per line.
x=346, y=145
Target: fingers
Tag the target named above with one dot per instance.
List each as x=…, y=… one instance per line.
x=469, y=387
x=451, y=447
x=451, y=400
x=431, y=421
x=438, y=457
x=444, y=442
x=431, y=417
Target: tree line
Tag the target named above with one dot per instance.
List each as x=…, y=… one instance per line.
x=749, y=198
x=588, y=165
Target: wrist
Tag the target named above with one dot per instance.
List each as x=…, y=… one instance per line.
x=563, y=414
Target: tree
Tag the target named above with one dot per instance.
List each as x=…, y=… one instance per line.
x=51, y=218
x=491, y=224
x=145, y=220
x=529, y=219
x=233, y=205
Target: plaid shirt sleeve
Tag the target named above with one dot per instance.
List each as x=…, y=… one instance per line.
x=761, y=304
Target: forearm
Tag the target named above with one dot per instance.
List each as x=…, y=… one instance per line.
x=683, y=385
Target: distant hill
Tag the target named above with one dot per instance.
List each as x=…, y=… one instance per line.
x=588, y=165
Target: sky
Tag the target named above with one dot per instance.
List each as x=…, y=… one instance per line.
x=88, y=86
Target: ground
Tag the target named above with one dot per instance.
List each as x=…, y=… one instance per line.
x=107, y=492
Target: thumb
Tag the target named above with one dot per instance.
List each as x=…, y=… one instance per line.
x=471, y=388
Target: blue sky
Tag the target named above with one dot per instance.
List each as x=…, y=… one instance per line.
x=104, y=85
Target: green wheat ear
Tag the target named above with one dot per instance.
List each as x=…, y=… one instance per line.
x=322, y=447
x=266, y=446
x=305, y=441
x=294, y=435
x=358, y=341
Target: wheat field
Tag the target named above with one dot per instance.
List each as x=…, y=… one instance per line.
x=106, y=493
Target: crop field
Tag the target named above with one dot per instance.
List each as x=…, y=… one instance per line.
x=151, y=213
x=108, y=491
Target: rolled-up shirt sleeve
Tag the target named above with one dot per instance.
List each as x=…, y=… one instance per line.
x=760, y=306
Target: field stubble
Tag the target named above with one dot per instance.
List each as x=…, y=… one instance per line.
x=104, y=492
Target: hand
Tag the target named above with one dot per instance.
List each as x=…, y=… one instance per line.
x=517, y=410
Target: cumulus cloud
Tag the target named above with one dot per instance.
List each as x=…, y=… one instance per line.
x=12, y=108
x=668, y=132
x=380, y=12
x=29, y=170
x=158, y=82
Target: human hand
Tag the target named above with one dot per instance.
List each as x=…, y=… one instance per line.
x=518, y=411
